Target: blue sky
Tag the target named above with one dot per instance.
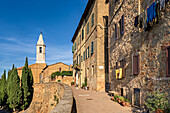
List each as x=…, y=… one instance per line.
x=21, y=21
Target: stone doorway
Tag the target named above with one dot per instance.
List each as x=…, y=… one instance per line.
x=137, y=97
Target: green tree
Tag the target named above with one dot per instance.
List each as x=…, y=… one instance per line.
x=3, y=89
x=15, y=90
x=0, y=95
x=26, y=85
x=8, y=79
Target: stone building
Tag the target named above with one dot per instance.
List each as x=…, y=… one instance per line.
x=89, y=46
x=139, y=48
x=40, y=70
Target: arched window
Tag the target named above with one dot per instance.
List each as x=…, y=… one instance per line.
x=40, y=49
x=60, y=69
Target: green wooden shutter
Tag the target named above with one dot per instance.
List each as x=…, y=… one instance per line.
x=72, y=49
x=75, y=46
x=84, y=55
x=92, y=20
x=92, y=48
x=82, y=34
x=87, y=27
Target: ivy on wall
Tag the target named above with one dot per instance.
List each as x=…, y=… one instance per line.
x=63, y=73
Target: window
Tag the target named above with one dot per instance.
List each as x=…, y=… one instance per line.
x=121, y=91
x=88, y=52
x=168, y=61
x=115, y=31
x=87, y=27
x=60, y=69
x=92, y=48
x=92, y=70
x=79, y=58
x=92, y=20
x=72, y=49
x=40, y=49
x=79, y=39
x=75, y=46
x=135, y=64
x=82, y=34
x=117, y=67
x=122, y=25
x=84, y=55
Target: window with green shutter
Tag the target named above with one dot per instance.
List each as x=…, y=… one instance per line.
x=82, y=34
x=92, y=20
x=92, y=48
x=72, y=49
x=84, y=55
x=75, y=46
x=87, y=27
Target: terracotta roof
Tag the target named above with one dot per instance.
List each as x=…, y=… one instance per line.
x=89, y=4
x=20, y=68
x=58, y=63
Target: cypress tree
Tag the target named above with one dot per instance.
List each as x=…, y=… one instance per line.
x=3, y=89
x=15, y=90
x=26, y=85
x=8, y=80
x=0, y=94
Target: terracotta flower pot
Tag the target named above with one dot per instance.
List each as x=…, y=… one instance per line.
x=127, y=104
x=160, y=111
x=124, y=103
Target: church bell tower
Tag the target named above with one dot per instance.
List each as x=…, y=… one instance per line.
x=40, y=50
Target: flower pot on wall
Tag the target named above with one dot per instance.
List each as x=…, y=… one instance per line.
x=127, y=104
x=124, y=103
x=160, y=111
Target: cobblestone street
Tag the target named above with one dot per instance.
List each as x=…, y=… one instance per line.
x=96, y=102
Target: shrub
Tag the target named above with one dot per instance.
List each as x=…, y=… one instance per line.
x=122, y=98
x=59, y=80
x=72, y=83
x=156, y=101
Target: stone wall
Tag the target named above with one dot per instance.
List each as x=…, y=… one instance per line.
x=51, y=97
x=65, y=79
x=149, y=45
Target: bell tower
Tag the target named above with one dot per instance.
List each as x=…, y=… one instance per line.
x=40, y=50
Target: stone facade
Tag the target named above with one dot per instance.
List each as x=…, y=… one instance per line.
x=36, y=69
x=46, y=73
x=89, y=46
x=149, y=46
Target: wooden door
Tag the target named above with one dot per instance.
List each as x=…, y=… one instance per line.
x=137, y=97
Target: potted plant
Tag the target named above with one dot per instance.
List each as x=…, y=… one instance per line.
x=72, y=83
x=116, y=97
x=83, y=86
x=157, y=102
x=122, y=100
x=127, y=102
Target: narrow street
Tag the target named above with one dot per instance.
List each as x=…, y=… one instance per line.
x=96, y=102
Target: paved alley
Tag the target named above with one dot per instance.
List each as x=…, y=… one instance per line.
x=96, y=102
